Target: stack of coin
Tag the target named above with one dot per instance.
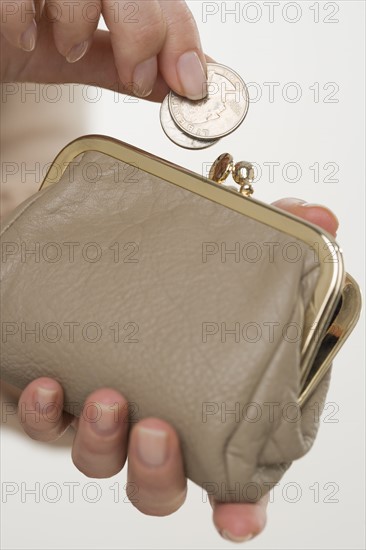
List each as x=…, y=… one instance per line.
x=199, y=124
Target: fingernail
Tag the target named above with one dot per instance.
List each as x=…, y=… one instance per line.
x=45, y=396
x=106, y=422
x=293, y=200
x=152, y=446
x=29, y=37
x=144, y=77
x=77, y=52
x=314, y=205
x=192, y=76
x=44, y=402
x=235, y=538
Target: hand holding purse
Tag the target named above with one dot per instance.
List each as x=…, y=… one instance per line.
x=203, y=306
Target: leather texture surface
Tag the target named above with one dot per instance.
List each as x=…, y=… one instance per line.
x=136, y=284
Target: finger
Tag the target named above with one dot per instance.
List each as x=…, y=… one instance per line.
x=240, y=522
x=74, y=24
x=96, y=68
x=40, y=410
x=314, y=213
x=137, y=37
x=182, y=61
x=155, y=468
x=18, y=23
x=100, y=444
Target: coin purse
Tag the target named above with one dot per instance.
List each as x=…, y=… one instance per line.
x=201, y=305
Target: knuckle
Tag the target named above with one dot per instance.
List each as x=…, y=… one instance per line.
x=180, y=23
x=151, y=34
x=66, y=13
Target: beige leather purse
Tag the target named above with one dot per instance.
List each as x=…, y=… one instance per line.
x=203, y=306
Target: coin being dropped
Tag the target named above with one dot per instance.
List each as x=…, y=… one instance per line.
x=218, y=114
x=176, y=135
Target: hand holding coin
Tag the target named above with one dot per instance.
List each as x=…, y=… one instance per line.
x=199, y=124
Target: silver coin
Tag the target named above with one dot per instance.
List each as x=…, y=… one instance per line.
x=220, y=113
x=176, y=135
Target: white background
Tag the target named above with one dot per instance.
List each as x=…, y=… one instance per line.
x=310, y=130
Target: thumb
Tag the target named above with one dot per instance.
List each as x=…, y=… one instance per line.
x=313, y=213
